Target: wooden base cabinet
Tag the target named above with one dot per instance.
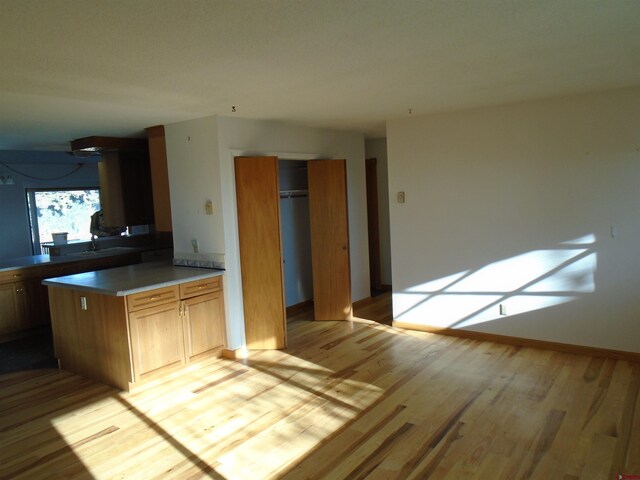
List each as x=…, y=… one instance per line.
x=9, y=319
x=166, y=328
x=203, y=324
x=21, y=302
x=156, y=339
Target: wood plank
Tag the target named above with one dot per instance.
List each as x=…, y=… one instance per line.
x=329, y=239
x=257, y=194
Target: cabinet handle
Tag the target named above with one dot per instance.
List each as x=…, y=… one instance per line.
x=155, y=297
x=17, y=275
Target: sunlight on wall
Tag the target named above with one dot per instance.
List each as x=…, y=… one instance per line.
x=523, y=283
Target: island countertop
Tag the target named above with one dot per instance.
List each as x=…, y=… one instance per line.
x=132, y=279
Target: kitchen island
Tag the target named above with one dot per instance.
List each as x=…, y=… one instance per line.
x=127, y=325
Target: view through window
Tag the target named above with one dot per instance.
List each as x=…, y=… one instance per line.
x=61, y=210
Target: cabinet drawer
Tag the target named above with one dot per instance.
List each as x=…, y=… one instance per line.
x=20, y=274
x=200, y=287
x=151, y=298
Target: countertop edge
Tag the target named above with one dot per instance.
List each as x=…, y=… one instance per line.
x=74, y=282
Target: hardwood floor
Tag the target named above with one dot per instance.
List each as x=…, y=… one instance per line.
x=345, y=400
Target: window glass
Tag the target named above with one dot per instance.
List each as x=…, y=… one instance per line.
x=53, y=211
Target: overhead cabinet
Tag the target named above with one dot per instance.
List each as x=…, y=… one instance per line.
x=126, y=191
x=125, y=188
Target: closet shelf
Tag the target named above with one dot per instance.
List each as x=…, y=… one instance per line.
x=293, y=193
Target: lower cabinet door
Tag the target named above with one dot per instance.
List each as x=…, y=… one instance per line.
x=9, y=315
x=30, y=300
x=204, y=324
x=157, y=339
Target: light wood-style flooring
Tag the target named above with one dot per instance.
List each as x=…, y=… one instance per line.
x=345, y=400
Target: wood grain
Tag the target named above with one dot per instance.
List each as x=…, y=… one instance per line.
x=159, y=179
x=156, y=339
x=353, y=399
x=258, y=203
x=92, y=342
x=329, y=239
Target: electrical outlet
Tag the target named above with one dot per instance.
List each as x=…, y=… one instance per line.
x=194, y=244
x=208, y=207
x=400, y=197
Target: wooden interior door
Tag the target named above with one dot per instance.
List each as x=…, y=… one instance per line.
x=258, y=202
x=329, y=239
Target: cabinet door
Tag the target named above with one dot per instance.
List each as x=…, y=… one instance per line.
x=30, y=304
x=156, y=339
x=204, y=324
x=9, y=318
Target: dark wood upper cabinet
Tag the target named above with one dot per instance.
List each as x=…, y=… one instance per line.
x=125, y=188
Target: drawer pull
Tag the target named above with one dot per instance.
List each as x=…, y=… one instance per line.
x=17, y=275
x=155, y=297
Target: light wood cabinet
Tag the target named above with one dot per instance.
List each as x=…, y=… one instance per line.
x=156, y=339
x=9, y=319
x=173, y=325
x=24, y=300
x=21, y=300
x=30, y=299
x=141, y=336
x=203, y=324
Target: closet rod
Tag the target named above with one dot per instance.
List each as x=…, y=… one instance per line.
x=293, y=193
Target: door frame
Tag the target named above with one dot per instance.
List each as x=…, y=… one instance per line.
x=234, y=301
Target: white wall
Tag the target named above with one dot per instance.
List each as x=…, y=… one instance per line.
x=194, y=178
x=377, y=148
x=15, y=240
x=514, y=205
x=197, y=170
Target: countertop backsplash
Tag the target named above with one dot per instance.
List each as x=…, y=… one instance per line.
x=201, y=260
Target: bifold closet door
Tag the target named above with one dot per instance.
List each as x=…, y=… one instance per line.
x=258, y=202
x=329, y=239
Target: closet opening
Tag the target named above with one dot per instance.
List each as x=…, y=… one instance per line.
x=296, y=238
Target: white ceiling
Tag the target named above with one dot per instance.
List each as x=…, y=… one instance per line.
x=73, y=68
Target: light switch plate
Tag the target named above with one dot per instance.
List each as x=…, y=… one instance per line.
x=400, y=197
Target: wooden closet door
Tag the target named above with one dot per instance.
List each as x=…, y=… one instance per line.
x=258, y=201
x=329, y=239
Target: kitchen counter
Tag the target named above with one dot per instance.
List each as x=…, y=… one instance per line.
x=123, y=281
x=39, y=260
x=33, y=261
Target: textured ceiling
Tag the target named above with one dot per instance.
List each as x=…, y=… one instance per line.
x=72, y=68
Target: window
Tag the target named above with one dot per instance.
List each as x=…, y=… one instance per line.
x=61, y=210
